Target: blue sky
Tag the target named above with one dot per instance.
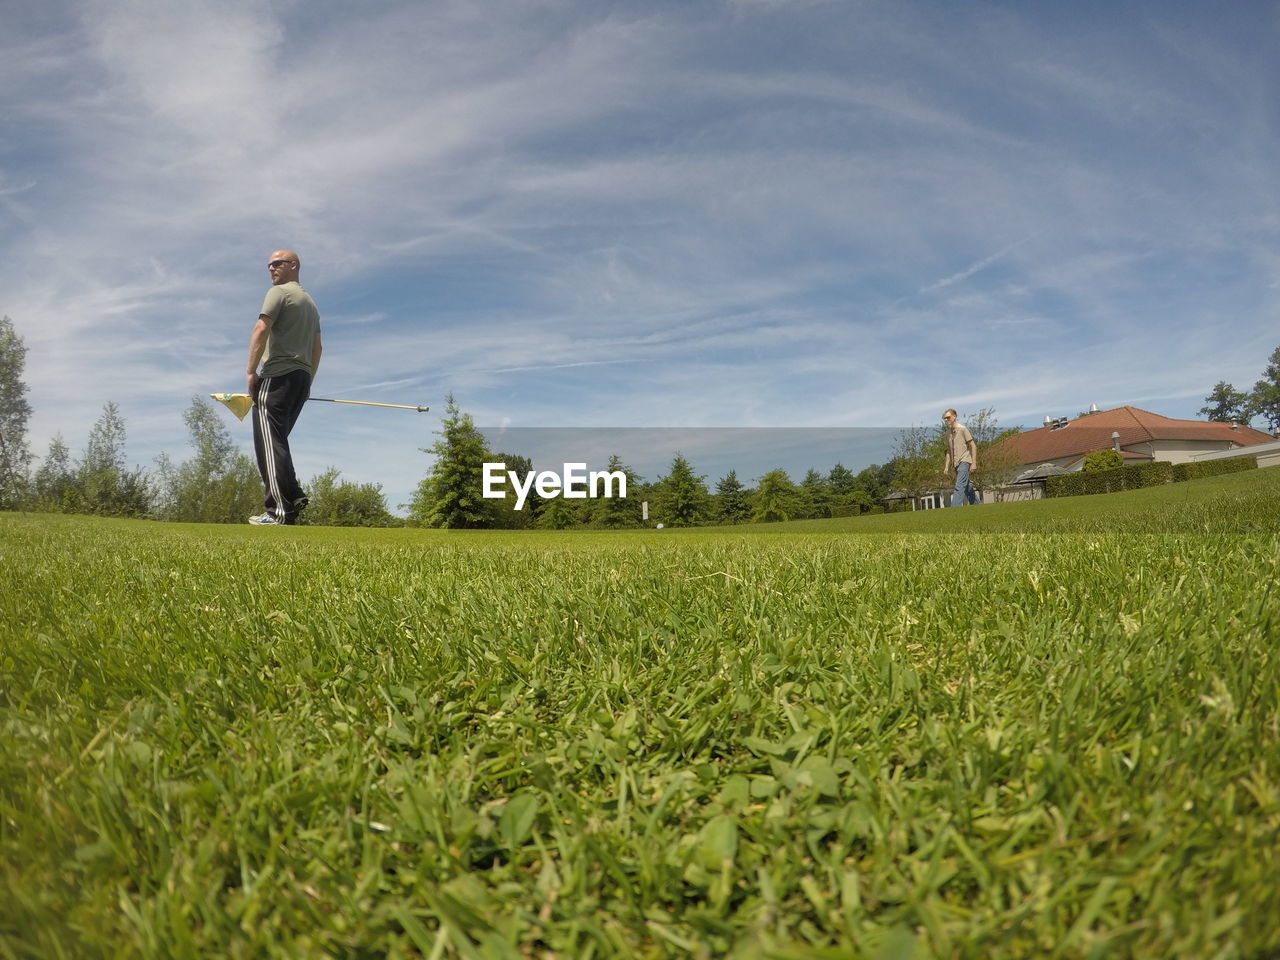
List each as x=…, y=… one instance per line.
x=575, y=213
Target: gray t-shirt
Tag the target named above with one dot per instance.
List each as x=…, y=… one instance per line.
x=295, y=321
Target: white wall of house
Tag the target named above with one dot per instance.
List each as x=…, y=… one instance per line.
x=1073, y=462
x=1268, y=454
x=1181, y=451
x=1170, y=451
x=1016, y=491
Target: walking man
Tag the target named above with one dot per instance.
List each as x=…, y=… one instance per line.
x=286, y=342
x=962, y=456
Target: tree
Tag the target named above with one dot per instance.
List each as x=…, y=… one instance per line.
x=841, y=482
x=219, y=484
x=615, y=512
x=164, y=505
x=505, y=513
x=862, y=500
x=103, y=460
x=997, y=462
x=557, y=513
x=731, y=499
x=1226, y=404
x=1101, y=460
x=917, y=459
x=15, y=457
x=105, y=486
x=920, y=451
x=451, y=495
x=1264, y=401
x=53, y=488
x=776, y=498
x=848, y=489
x=815, y=496
x=876, y=481
x=345, y=504
x=681, y=498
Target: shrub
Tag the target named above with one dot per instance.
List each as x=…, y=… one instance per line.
x=1213, y=468
x=1101, y=460
x=1138, y=475
x=1148, y=474
x=1133, y=477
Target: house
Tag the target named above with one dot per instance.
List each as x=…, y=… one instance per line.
x=1139, y=436
x=1267, y=454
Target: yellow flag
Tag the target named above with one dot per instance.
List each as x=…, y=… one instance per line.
x=237, y=403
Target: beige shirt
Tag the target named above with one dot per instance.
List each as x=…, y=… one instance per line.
x=958, y=440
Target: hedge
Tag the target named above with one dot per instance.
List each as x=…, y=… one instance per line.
x=1138, y=475
x=1213, y=468
x=1132, y=477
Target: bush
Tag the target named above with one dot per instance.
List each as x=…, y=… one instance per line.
x=1213, y=468
x=1138, y=475
x=1101, y=460
x=1133, y=477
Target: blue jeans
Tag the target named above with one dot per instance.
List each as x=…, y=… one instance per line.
x=964, y=492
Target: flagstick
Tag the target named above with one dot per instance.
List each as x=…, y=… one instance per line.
x=370, y=403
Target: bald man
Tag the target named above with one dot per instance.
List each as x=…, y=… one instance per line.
x=286, y=342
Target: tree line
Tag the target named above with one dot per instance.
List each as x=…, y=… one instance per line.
x=219, y=484
x=451, y=494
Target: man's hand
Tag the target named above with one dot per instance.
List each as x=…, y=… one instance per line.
x=251, y=381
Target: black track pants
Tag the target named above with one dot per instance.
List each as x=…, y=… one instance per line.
x=276, y=406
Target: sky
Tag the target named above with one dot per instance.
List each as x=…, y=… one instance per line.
x=587, y=214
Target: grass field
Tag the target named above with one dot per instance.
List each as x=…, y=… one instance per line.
x=1047, y=729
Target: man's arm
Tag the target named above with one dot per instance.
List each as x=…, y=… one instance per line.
x=257, y=344
x=317, y=348
x=973, y=453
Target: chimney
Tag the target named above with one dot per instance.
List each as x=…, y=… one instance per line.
x=1115, y=440
x=1048, y=420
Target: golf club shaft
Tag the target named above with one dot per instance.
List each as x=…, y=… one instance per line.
x=370, y=403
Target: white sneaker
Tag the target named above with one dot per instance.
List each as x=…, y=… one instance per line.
x=265, y=520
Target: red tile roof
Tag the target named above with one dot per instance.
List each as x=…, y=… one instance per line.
x=1093, y=432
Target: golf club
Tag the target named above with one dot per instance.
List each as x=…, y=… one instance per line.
x=240, y=403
